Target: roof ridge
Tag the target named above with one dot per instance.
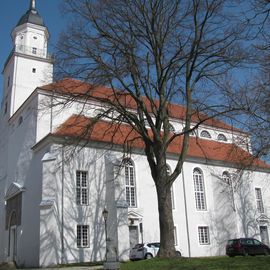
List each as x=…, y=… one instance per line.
x=69, y=86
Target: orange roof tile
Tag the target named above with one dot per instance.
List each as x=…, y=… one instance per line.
x=78, y=89
x=118, y=134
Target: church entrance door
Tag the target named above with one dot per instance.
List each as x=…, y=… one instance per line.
x=264, y=235
x=133, y=236
x=12, y=243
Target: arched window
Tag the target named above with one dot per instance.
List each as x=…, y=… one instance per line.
x=199, y=189
x=205, y=134
x=222, y=137
x=259, y=200
x=130, y=183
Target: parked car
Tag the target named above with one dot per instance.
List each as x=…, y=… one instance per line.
x=146, y=251
x=246, y=246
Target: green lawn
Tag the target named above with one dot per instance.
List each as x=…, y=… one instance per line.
x=213, y=263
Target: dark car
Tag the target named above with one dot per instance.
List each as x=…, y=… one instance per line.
x=246, y=246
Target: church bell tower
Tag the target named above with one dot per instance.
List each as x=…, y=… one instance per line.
x=29, y=65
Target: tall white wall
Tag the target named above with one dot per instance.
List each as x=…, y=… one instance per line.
x=59, y=186
x=22, y=167
x=220, y=217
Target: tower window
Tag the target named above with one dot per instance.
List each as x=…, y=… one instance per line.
x=8, y=82
x=34, y=37
x=34, y=50
x=34, y=70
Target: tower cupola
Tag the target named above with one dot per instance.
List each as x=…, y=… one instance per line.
x=31, y=16
x=30, y=36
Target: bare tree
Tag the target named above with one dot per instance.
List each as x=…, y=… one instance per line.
x=152, y=53
x=253, y=92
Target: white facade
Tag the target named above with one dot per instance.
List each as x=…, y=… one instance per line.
x=52, y=194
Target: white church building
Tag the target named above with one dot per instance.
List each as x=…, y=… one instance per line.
x=52, y=193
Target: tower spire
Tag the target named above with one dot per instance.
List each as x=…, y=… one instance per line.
x=32, y=4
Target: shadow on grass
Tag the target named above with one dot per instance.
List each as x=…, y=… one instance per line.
x=213, y=263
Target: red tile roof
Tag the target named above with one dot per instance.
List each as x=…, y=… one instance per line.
x=77, y=89
x=118, y=134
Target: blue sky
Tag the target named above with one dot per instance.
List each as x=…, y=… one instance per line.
x=10, y=13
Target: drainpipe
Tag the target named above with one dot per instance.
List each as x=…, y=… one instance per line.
x=51, y=114
x=185, y=204
x=62, y=207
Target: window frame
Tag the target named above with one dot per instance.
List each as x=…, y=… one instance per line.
x=81, y=241
x=81, y=189
x=222, y=138
x=34, y=50
x=205, y=134
x=204, y=235
x=130, y=183
x=259, y=200
x=199, y=190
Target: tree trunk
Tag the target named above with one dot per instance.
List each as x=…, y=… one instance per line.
x=166, y=223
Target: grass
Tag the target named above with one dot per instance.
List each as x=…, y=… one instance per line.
x=213, y=263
